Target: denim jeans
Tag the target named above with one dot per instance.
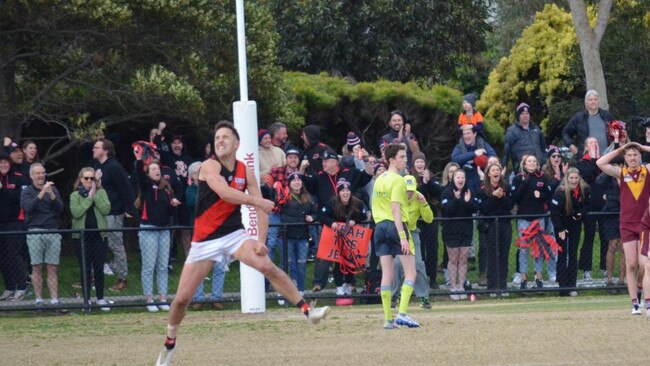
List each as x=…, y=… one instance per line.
x=297, y=251
x=218, y=280
x=154, y=248
x=116, y=245
x=273, y=239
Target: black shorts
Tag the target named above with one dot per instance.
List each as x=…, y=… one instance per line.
x=387, y=240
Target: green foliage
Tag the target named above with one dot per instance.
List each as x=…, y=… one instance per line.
x=110, y=61
x=537, y=71
x=339, y=105
x=402, y=40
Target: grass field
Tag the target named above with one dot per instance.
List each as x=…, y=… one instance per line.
x=587, y=330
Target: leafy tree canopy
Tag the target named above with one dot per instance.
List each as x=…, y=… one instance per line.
x=401, y=40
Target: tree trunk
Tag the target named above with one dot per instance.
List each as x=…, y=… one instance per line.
x=589, y=39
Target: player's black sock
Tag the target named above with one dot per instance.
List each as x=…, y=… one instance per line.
x=170, y=343
x=302, y=305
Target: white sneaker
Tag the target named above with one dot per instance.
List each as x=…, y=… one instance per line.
x=340, y=291
x=103, y=305
x=636, y=311
x=18, y=295
x=461, y=296
x=165, y=356
x=347, y=288
x=281, y=300
x=152, y=308
x=587, y=275
x=163, y=307
x=573, y=293
x=454, y=296
x=516, y=279
x=107, y=270
x=317, y=314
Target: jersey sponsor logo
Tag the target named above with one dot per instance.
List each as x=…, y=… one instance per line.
x=540, y=184
x=11, y=186
x=240, y=183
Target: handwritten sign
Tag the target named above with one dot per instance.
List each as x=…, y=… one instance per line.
x=349, y=248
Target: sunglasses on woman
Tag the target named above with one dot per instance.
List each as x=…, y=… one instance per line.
x=88, y=178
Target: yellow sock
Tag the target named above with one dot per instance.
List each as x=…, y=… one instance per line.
x=407, y=291
x=385, y=302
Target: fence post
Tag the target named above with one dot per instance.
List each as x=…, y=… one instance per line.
x=498, y=250
x=85, y=290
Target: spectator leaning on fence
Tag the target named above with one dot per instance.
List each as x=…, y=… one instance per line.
x=339, y=213
x=155, y=200
x=89, y=206
x=458, y=201
x=115, y=181
x=494, y=199
x=568, y=208
x=12, y=266
x=634, y=194
x=530, y=192
x=296, y=207
x=43, y=206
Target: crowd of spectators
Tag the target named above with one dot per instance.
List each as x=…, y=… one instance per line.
x=311, y=183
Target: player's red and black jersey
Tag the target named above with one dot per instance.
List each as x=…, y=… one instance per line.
x=215, y=217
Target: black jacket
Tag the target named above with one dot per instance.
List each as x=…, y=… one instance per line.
x=493, y=206
x=523, y=193
x=457, y=207
x=155, y=202
x=323, y=185
x=116, y=183
x=579, y=126
x=292, y=211
x=589, y=171
x=328, y=213
x=520, y=141
x=12, y=185
x=562, y=219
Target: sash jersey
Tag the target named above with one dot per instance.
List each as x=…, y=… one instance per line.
x=216, y=218
x=635, y=191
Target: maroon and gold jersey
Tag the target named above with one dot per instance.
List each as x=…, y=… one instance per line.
x=215, y=217
x=635, y=191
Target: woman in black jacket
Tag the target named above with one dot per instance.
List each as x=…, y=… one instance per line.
x=458, y=201
x=155, y=200
x=567, y=211
x=341, y=212
x=296, y=206
x=495, y=200
x=530, y=192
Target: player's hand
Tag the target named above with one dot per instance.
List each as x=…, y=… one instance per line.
x=406, y=248
x=260, y=249
x=266, y=205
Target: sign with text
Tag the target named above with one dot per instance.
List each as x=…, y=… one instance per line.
x=348, y=248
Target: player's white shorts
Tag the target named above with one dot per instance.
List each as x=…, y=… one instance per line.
x=219, y=249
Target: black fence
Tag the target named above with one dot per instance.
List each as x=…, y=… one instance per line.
x=149, y=273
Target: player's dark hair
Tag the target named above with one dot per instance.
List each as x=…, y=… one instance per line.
x=392, y=149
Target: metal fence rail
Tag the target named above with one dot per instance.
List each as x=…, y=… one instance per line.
x=153, y=269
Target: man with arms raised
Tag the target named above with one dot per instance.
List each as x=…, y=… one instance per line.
x=220, y=236
x=391, y=234
x=634, y=194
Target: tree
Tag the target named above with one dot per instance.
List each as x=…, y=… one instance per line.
x=539, y=70
x=589, y=39
x=69, y=68
x=367, y=40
